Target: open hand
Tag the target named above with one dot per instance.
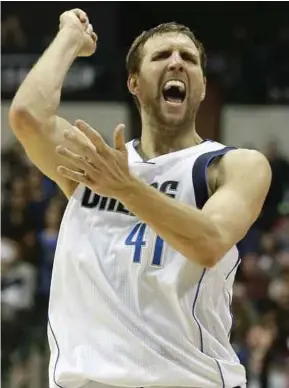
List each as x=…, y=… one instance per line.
x=104, y=169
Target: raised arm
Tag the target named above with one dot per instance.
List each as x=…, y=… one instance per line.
x=33, y=112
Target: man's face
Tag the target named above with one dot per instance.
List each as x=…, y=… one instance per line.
x=170, y=82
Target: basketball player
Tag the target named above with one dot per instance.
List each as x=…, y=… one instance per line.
x=146, y=257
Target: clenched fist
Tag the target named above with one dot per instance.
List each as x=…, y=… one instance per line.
x=78, y=21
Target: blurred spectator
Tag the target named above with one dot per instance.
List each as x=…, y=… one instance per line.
x=245, y=316
x=260, y=340
x=282, y=229
x=37, y=198
x=279, y=293
x=47, y=240
x=14, y=164
x=18, y=282
x=15, y=216
x=279, y=185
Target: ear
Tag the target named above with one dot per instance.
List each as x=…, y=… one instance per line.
x=132, y=84
x=204, y=91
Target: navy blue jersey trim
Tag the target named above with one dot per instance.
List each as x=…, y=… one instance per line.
x=194, y=313
x=199, y=174
x=231, y=313
x=235, y=266
x=221, y=373
x=144, y=162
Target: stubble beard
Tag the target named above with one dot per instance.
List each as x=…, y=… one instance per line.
x=168, y=125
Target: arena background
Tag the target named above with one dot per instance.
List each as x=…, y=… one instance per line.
x=247, y=105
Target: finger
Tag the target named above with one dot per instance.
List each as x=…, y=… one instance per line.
x=74, y=175
x=92, y=134
x=81, y=15
x=79, y=143
x=118, y=138
x=82, y=145
x=89, y=29
x=78, y=161
x=94, y=37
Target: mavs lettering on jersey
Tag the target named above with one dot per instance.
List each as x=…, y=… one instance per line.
x=92, y=200
x=136, y=236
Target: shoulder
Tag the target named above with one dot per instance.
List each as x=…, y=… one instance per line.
x=245, y=171
x=245, y=162
x=239, y=165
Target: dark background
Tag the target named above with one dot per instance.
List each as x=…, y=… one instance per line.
x=247, y=43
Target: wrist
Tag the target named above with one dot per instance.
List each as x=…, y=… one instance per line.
x=132, y=189
x=73, y=38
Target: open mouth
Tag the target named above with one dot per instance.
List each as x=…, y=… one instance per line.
x=174, y=91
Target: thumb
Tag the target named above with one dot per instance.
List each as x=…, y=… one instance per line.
x=118, y=138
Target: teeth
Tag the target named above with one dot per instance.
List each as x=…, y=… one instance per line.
x=176, y=83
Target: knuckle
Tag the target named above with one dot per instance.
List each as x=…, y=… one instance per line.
x=86, y=148
x=68, y=135
x=80, y=158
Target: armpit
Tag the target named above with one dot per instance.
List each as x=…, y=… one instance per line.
x=214, y=175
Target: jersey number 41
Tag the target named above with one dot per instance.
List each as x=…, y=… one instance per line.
x=136, y=239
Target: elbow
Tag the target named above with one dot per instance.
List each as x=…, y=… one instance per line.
x=214, y=247
x=208, y=258
x=17, y=116
x=214, y=251
x=207, y=252
x=20, y=118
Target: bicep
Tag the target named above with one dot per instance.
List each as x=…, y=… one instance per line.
x=237, y=203
x=39, y=143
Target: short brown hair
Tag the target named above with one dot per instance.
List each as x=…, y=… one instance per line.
x=134, y=56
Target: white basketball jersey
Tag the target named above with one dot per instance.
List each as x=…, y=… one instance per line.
x=128, y=310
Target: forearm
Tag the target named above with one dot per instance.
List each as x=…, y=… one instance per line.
x=183, y=227
x=39, y=94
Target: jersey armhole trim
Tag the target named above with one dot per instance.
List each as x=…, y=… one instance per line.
x=221, y=373
x=199, y=174
x=58, y=355
x=199, y=177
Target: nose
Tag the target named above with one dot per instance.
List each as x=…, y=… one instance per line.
x=176, y=62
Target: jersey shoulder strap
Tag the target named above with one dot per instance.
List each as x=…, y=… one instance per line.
x=199, y=171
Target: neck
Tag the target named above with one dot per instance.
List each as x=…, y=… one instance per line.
x=156, y=141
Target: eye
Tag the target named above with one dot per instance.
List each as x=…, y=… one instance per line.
x=189, y=57
x=161, y=55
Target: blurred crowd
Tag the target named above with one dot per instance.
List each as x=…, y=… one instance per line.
x=32, y=207
x=260, y=304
